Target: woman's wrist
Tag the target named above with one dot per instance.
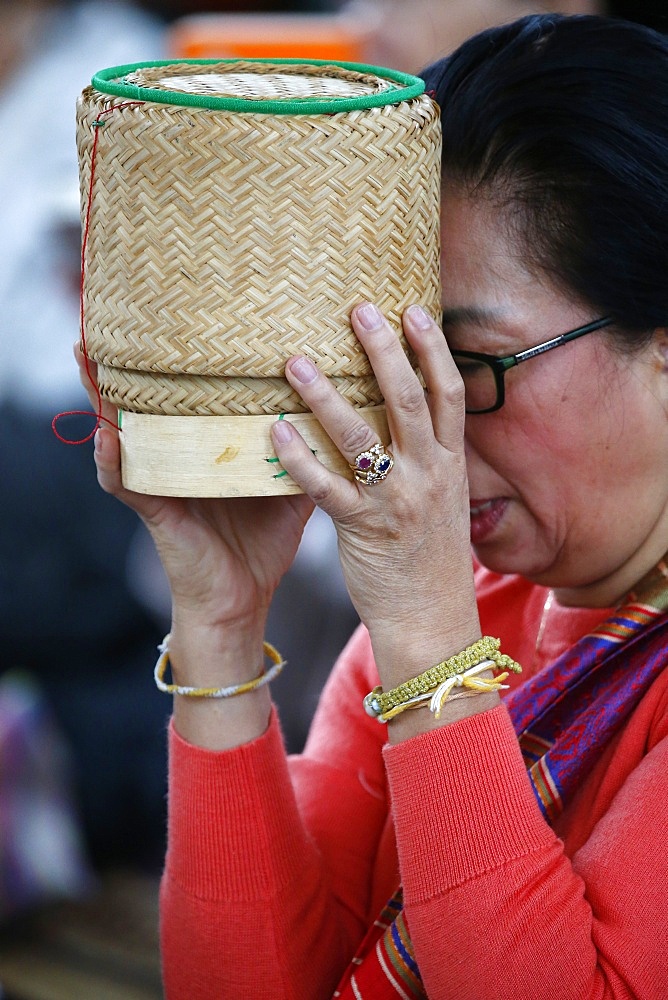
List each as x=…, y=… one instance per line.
x=214, y=655
x=204, y=656
x=405, y=648
x=404, y=653
x=214, y=724
x=427, y=627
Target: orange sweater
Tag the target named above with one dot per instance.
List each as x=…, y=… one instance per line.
x=275, y=868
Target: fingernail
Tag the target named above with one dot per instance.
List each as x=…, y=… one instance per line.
x=368, y=316
x=303, y=370
x=282, y=431
x=418, y=317
x=97, y=440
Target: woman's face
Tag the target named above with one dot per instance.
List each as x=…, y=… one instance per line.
x=569, y=479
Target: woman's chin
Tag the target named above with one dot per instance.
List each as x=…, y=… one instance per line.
x=507, y=540
x=510, y=566
x=510, y=555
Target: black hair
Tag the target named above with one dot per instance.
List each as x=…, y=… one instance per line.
x=649, y=12
x=563, y=121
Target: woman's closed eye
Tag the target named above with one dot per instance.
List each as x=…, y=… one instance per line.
x=470, y=368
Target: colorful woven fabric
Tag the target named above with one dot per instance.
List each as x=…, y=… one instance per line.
x=385, y=963
x=564, y=717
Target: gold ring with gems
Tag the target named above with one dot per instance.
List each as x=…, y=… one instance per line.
x=372, y=466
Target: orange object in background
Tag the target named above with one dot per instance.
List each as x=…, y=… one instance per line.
x=286, y=36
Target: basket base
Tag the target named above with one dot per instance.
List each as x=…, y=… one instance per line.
x=230, y=456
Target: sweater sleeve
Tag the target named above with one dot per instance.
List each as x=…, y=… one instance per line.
x=495, y=907
x=263, y=890
x=269, y=877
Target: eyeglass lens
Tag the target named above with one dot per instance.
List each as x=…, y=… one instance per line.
x=479, y=384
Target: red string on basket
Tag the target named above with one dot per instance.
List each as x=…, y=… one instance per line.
x=98, y=124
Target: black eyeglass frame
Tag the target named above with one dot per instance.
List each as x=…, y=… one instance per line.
x=500, y=365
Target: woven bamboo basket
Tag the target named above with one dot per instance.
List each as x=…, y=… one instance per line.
x=234, y=212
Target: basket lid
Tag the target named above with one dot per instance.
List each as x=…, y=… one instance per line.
x=267, y=86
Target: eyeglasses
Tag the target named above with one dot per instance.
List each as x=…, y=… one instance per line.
x=483, y=374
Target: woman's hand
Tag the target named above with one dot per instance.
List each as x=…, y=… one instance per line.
x=404, y=542
x=223, y=559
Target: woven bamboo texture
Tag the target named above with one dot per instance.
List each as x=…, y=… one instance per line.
x=221, y=243
x=208, y=395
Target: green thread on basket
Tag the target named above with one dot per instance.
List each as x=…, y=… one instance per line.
x=278, y=475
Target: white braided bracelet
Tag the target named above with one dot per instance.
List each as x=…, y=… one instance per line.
x=224, y=692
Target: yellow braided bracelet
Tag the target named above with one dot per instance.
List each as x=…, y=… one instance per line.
x=434, y=686
x=426, y=700
x=224, y=692
x=435, y=700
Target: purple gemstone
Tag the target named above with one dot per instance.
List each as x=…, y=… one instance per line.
x=363, y=462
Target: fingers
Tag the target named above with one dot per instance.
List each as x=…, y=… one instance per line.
x=411, y=414
x=407, y=411
x=107, y=446
x=444, y=386
x=343, y=423
x=413, y=419
x=346, y=427
x=330, y=492
x=107, y=443
x=350, y=432
x=108, y=464
x=108, y=461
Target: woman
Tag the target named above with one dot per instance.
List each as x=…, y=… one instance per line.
x=554, y=462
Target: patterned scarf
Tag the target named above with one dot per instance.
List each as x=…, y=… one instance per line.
x=564, y=716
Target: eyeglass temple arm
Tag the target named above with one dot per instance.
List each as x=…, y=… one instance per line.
x=531, y=352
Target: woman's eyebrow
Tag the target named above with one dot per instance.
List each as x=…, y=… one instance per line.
x=474, y=315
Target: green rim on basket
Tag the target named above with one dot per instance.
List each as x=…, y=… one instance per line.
x=114, y=81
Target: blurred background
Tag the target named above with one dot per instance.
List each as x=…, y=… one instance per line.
x=83, y=602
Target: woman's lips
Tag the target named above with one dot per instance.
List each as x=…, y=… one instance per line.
x=485, y=515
